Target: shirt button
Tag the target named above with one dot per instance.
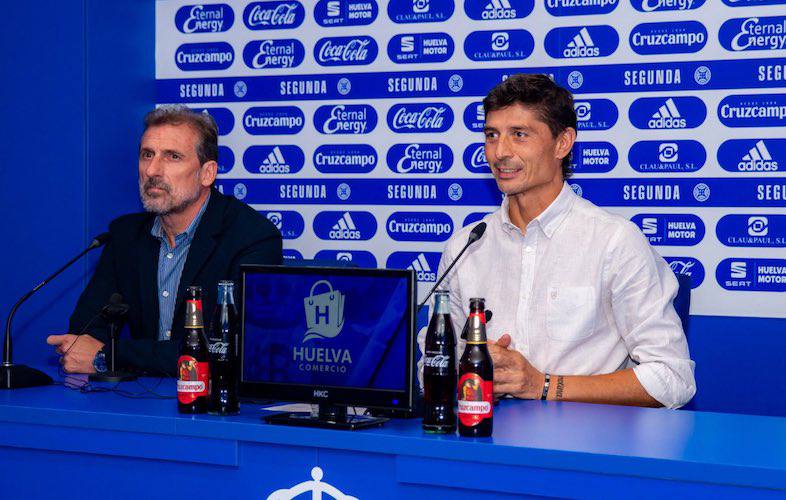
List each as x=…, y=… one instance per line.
x=169, y=255
x=553, y=295
x=165, y=293
x=168, y=333
x=528, y=249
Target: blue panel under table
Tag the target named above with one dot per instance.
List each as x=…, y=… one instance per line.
x=56, y=442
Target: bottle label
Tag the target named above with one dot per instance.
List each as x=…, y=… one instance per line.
x=218, y=348
x=439, y=363
x=474, y=399
x=192, y=379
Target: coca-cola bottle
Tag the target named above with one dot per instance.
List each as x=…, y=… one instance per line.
x=223, y=345
x=193, y=371
x=476, y=377
x=439, y=369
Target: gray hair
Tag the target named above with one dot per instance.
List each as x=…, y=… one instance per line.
x=204, y=125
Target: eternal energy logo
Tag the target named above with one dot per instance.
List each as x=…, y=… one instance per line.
x=345, y=158
x=330, y=13
x=345, y=226
x=213, y=18
x=272, y=54
x=661, y=5
x=753, y=155
x=667, y=113
x=273, y=120
x=491, y=10
x=274, y=15
x=667, y=156
x=668, y=38
x=760, y=230
x=345, y=119
x=753, y=33
x=204, y=56
x=420, y=118
x=581, y=41
x=345, y=51
x=499, y=45
x=671, y=229
x=284, y=159
x=417, y=48
x=419, y=158
x=419, y=226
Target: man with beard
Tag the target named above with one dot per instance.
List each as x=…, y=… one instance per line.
x=190, y=235
x=582, y=304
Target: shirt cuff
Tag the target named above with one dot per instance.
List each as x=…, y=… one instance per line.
x=660, y=383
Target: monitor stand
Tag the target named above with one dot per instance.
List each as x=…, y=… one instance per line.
x=329, y=417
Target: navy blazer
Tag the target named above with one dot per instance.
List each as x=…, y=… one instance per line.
x=229, y=234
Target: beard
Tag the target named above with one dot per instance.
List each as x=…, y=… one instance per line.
x=171, y=201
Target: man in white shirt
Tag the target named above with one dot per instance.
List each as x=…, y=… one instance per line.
x=582, y=305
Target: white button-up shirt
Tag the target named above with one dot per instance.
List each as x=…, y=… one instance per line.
x=580, y=293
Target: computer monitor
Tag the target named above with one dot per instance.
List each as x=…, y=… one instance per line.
x=337, y=337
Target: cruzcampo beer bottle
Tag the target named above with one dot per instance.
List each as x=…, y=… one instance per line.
x=476, y=377
x=193, y=371
x=439, y=369
x=223, y=353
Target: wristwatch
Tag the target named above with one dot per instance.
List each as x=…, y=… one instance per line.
x=99, y=362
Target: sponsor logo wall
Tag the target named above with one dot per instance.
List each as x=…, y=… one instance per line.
x=356, y=126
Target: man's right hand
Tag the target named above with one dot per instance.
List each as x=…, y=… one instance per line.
x=77, y=351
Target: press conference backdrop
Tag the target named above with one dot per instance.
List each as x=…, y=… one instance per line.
x=356, y=125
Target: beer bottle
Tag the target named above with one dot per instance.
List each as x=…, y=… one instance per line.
x=193, y=372
x=476, y=377
x=223, y=345
x=439, y=369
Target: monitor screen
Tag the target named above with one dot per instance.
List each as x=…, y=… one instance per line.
x=328, y=328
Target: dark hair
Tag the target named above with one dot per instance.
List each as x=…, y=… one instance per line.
x=204, y=125
x=553, y=104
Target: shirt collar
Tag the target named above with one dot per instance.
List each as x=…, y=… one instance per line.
x=551, y=218
x=158, y=229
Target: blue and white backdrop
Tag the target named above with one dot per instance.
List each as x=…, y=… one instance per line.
x=355, y=125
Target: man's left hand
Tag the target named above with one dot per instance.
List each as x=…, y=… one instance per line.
x=513, y=374
x=77, y=351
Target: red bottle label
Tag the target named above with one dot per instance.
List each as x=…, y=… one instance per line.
x=475, y=397
x=192, y=381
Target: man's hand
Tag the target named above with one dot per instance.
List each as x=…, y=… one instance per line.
x=513, y=374
x=76, y=351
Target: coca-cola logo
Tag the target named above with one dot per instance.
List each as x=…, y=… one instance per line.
x=422, y=118
x=218, y=348
x=345, y=51
x=273, y=15
x=438, y=361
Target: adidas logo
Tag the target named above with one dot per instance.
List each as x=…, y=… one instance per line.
x=581, y=46
x=498, y=9
x=344, y=229
x=758, y=159
x=667, y=116
x=422, y=269
x=274, y=163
